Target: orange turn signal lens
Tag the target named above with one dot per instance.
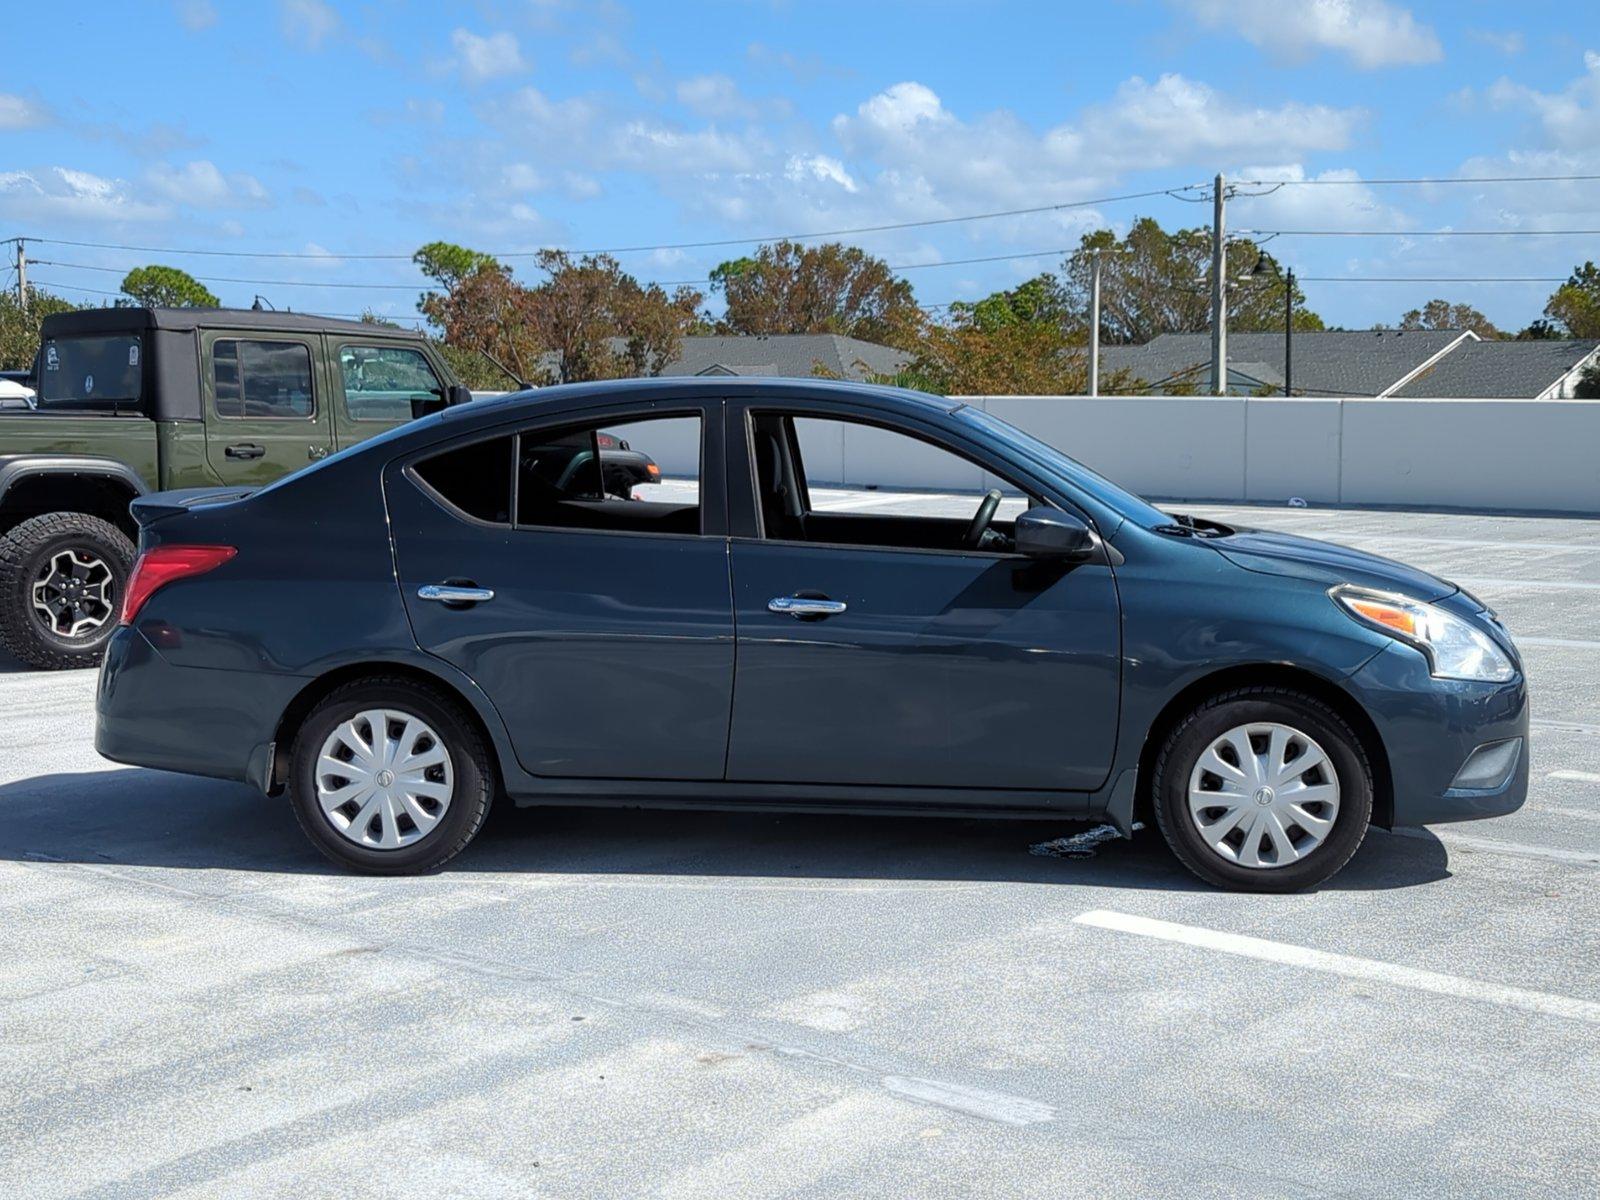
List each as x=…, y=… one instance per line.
x=1388, y=615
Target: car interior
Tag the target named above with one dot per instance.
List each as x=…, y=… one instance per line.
x=787, y=513
x=562, y=480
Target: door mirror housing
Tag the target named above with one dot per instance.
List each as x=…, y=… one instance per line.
x=458, y=393
x=1051, y=533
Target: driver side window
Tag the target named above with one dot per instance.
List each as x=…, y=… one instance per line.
x=838, y=482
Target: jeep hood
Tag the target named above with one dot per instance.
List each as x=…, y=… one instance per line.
x=1325, y=562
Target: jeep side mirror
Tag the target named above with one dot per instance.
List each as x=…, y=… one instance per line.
x=1051, y=533
x=458, y=393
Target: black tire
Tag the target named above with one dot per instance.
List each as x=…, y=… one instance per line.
x=475, y=780
x=26, y=551
x=1195, y=734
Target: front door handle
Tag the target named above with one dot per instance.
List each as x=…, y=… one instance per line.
x=316, y=453
x=806, y=606
x=450, y=593
x=245, y=450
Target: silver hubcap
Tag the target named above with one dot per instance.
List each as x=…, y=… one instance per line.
x=384, y=779
x=72, y=593
x=1264, y=795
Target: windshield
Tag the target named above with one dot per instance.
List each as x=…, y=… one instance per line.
x=1139, y=511
x=91, y=374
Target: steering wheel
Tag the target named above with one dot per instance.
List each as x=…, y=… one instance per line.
x=981, y=519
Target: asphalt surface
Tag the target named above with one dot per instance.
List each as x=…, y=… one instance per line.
x=614, y=1004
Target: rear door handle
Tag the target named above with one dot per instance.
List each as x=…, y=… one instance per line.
x=245, y=450
x=806, y=606
x=450, y=593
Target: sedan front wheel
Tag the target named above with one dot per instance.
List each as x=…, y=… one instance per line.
x=1263, y=789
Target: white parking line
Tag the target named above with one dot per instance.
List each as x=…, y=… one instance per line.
x=1346, y=965
x=1574, y=776
x=1564, y=726
x=1563, y=643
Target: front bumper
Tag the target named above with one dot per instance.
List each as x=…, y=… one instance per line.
x=197, y=720
x=1431, y=726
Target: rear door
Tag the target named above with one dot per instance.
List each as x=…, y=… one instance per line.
x=266, y=413
x=600, y=627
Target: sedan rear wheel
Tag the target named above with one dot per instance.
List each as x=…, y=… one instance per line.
x=1263, y=789
x=391, y=776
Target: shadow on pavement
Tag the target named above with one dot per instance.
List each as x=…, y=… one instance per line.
x=151, y=818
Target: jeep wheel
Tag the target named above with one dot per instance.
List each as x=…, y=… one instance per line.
x=61, y=581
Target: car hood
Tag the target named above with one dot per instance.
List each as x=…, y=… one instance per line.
x=1306, y=558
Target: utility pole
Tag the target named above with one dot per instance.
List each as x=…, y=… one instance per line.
x=22, y=274
x=1288, y=333
x=1219, y=295
x=1094, y=323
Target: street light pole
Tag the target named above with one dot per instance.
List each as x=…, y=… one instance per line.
x=1219, y=293
x=1094, y=323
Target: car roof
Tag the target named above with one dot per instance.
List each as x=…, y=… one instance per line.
x=611, y=391
x=184, y=320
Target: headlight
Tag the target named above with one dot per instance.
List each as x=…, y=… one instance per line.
x=1456, y=649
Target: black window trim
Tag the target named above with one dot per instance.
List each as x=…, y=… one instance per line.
x=312, y=418
x=713, y=493
x=377, y=344
x=890, y=425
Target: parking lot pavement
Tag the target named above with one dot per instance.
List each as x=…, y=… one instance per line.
x=592, y=1003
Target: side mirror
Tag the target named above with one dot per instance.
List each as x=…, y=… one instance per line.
x=458, y=393
x=1051, y=533
x=423, y=406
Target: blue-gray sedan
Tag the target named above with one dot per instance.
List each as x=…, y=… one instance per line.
x=805, y=613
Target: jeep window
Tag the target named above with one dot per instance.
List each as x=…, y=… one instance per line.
x=91, y=374
x=262, y=379
x=380, y=382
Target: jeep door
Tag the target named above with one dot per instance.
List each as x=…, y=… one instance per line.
x=376, y=383
x=266, y=409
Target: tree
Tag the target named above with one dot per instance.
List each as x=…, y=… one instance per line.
x=1588, y=385
x=486, y=317
x=1575, y=305
x=447, y=264
x=19, y=326
x=1154, y=282
x=1040, y=299
x=596, y=321
x=1539, y=330
x=1441, y=314
x=831, y=288
x=157, y=286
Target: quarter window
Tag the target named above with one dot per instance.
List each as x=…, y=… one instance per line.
x=262, y=379
x=475, y=478
x=380, y=382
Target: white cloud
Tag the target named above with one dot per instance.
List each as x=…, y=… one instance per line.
x=819, y=166
x=195, y=15
x=308, y=23
x=64, y=193
x=18, y=112
x=1570, y=117
x=1372, y=33
x=200, y=184
x=481, y=58
x=715, y=97
x=1507, y=42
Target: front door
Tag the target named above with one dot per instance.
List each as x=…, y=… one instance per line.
x=267, y=415
x=600, y=627
x=876, y=648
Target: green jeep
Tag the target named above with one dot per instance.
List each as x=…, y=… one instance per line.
x=136, y=400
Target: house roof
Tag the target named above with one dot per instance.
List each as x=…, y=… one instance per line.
x=793, y=355
x=1499, y=369
x=1341, y=363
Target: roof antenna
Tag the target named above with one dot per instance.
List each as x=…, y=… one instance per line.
x=261, y=303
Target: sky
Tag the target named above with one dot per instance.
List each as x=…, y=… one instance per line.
x=329, y=131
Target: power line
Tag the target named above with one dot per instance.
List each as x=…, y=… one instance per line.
x=1419, y=232
x=702, y=245
x=1431, y=278
x=1405, y=182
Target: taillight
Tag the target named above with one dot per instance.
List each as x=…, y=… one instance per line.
x=161, y=566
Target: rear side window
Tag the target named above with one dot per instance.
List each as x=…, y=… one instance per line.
x=91, y=374
x=475, y=479
x=380, y=382
x=639, y=476
x=262, y=379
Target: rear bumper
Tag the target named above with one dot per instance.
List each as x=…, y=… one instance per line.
x=200, y=721
x=1429, y=728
